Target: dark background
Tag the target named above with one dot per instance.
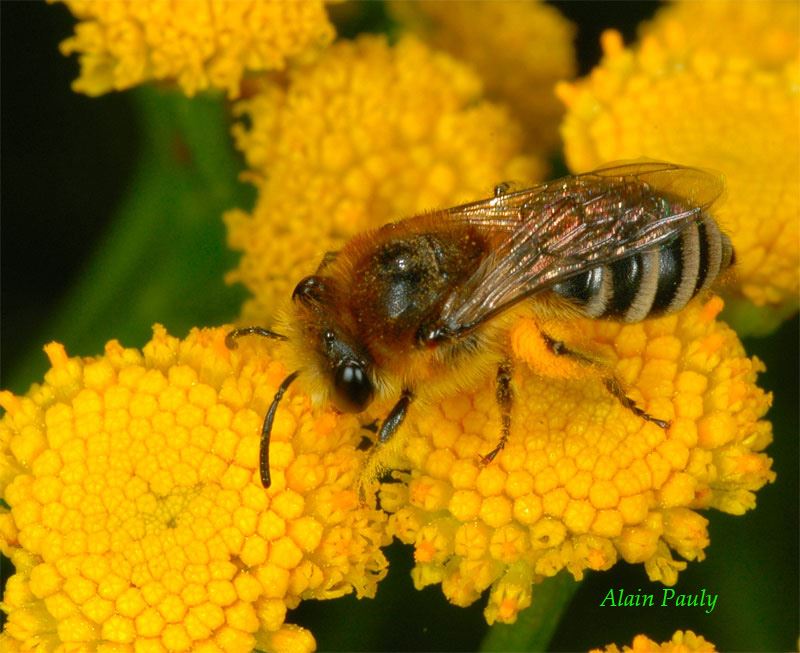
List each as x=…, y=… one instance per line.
x=66, y=162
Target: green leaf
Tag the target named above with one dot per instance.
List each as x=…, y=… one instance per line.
x=164, y=257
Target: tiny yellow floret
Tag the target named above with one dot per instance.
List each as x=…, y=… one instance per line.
x=681, y=642
x=519, y=49
x=584, y=481
x=350, y=143
x=198, y=45
x=137, y=516
x=712, y=84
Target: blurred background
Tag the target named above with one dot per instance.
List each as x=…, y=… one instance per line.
x=68, y=162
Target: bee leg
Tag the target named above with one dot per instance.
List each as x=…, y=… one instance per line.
x=611, y=382
x=327, y=259
x=560, y=349
x=368, y=441
x=395, y=417
x=374, y=465
x=502, y=188
x=235, y=334
x=614, y=387
x=266, y=428
x=505, y=398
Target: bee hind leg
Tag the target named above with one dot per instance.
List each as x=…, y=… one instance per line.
x=611, y=383
x=505, y=398
x=614, y=387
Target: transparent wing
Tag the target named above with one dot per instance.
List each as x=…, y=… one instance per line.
x=502, y=213
x=571, y=225
x=693, y=186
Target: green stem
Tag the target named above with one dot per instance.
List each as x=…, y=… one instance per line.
x=536, y=625
x=164, y=257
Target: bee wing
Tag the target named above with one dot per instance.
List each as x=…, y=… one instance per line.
x=694, y=186
x=507, y=212
x=574, y=224
x=501, y=213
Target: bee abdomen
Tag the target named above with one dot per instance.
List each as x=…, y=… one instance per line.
x=653, y=282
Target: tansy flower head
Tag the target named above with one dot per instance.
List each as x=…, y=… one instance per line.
x=583, y=481
x=676, y=97
x=681, y=642
x=136, y=513
x=763, y=30
x=198, y=45
x=368, y=134
x=520, y=50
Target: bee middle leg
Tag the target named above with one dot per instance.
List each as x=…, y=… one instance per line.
x=502, y=188
x=611, y=382
x=505, y=398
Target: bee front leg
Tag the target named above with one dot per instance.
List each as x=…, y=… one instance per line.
x=327, y=259
x=368, y=434
x=611, y=382
x=395, y=417
x=372, y=426
x=374, y=465
x=505, y=398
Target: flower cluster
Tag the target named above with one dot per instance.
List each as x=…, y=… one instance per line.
x=136, y=513
x=368, y=134
x=732, y=108
x=583, y=481
x=198, y=45
x=519, y=49
x=681, y=642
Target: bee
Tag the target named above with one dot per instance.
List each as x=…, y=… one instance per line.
x=420, y=308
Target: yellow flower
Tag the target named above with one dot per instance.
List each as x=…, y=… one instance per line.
x=520, y=50
x=199, y=45
x=368, y=134
x=677, y=97
x=136, y=514
x=583, y=481
x=681, y=642
x=763, y=30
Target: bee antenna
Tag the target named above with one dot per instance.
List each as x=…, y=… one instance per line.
x=235, y=334
x=266, y=429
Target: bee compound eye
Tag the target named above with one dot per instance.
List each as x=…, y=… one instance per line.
x=353, y=388
x=309, y=289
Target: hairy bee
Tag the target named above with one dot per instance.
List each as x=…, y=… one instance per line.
x=402, y=311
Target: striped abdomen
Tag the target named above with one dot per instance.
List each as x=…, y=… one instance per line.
x=653, y=282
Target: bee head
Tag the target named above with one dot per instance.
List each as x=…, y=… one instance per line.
x=325, y=325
